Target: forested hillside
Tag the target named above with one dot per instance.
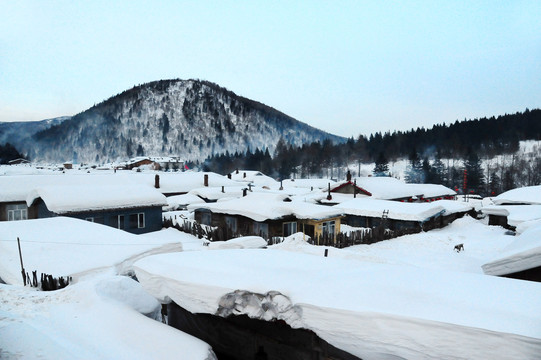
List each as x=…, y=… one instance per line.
x=436, y=155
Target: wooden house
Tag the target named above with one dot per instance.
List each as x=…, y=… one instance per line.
x=269, y=216
x=136, y=209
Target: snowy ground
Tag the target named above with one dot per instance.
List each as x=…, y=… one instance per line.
x=412, y=297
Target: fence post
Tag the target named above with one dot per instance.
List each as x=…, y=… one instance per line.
x=21, y=258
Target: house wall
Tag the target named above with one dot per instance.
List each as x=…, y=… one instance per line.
x=153, y=217
x=245, y=226
x=391, y=224
x=4, y=212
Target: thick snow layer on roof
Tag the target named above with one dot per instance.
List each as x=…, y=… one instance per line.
x=244, y=242
x=453, y=206
x=432, y=190
x=309, y=183
x=522, y=254
x=374, y=311
x=181, y=201
x=215, y=193
x=397, y=210
x=516, y=214
x=78, y=198
x=98, y=319
x=183, y=182
x=64, y=246
x=261, y=207
x=255, y=177
x=524, y=195
x=386, y=188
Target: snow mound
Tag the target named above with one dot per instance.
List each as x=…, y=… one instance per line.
x=245, y=242
x=129, y=292
x=272, y=305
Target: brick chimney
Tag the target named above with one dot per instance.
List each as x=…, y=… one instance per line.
x=206, y=180
x=157, y=181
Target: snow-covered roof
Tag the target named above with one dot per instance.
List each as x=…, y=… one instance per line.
x=80, y=198
x=515, y=214
x=524, y=195
x=309, y=183
x=387, y=188
x=522, y=254
x=391, y=308
x=261, y=207
x=453, y=206
x=431, y=190
x=216, y=193
x=255, y=177
x=397, y=210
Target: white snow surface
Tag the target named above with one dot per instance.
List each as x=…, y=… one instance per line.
x=101, y=318
x=522, y=254
x=244, y=242
x=432, y=190
x=64, y=246
x=523, y=195
x=372, y=310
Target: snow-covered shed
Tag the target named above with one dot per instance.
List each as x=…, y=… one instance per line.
x=510, y=216
x=433, y=192
x=133, y=208
x=521, y=259
x=269, y=215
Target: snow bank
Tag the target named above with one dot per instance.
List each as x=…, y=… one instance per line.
x=522, y=254
x=64, y=246
x=365, y=308
x=98, y=319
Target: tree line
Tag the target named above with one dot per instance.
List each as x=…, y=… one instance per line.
x=451, y=155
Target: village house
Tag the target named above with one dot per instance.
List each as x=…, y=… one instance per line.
x=269, y=216
x=135, y=205
x=133, y=208
x=254, y=177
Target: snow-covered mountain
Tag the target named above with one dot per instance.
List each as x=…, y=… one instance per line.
x=188, y=118
x=17, y=132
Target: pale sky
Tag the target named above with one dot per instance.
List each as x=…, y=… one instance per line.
x=346, y=67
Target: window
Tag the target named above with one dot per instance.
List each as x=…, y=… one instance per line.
x=206, y=218
x=328, y=228
x=117, y=221
x=289, y=228
x=137, y=221
x=17, y=212
x=261, y=229
x=231, y=223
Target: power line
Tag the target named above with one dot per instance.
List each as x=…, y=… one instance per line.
x=101, y=244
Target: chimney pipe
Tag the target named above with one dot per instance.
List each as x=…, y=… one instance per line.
x=206, y=180
x=244, y=175
x=355, y=188
x=229, y=176
x=157, y=181
x=244, y=192
x=329, y=197
x=223, y=189
x=237, y=171
x=281, y=186
x=348, y=176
